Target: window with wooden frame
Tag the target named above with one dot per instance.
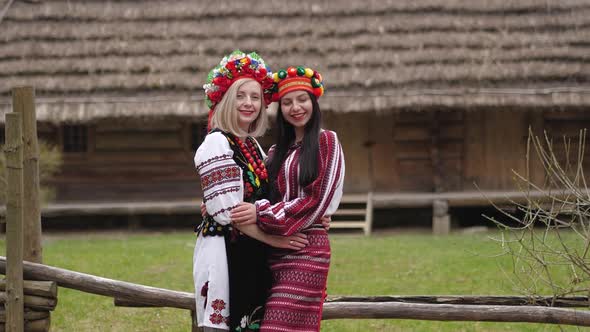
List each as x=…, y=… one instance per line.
x=48, y=133
x=198, y=133
x=75, y=138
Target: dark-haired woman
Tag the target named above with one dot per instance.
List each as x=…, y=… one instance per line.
x=306, y=169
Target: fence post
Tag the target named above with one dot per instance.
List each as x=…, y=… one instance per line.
x=14, y=223
x=441, y=221
x=23, y=102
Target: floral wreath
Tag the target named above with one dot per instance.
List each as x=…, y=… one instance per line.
x=232, y=67
x=297, y=78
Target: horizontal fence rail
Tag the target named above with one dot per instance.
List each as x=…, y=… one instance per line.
x=501, y=309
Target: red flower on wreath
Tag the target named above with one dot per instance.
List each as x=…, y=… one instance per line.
x=231, y=65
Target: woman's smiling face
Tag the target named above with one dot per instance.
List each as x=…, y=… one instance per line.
x=297, y=108
x=248, y=103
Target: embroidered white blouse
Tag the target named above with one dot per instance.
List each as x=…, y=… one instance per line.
x=223, y=189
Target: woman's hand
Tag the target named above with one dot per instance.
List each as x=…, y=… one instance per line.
x=326, y=222
x=203, y=210
x=296, y=241
x=244, y=214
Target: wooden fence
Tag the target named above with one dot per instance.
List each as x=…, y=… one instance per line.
x=441, y=308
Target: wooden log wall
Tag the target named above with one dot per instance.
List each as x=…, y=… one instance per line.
x=399, y=151
x=495, y=145
x=412, y=135
x=353, y=131
x=563, y=130
x=132, y=159
x=448, y=150
x=383, y=166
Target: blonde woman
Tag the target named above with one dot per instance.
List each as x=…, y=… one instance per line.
x=230, y=267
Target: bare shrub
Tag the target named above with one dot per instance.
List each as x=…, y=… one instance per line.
x=548, y=235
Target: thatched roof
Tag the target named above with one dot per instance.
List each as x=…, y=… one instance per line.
x=90, y=59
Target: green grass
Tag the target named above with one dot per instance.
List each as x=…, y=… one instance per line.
x=387, y=264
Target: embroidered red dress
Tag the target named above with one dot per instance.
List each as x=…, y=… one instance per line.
x=299, y=277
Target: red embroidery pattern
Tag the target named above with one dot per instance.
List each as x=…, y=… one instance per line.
x=220, y=175
x=218, y=305
x=216, y=317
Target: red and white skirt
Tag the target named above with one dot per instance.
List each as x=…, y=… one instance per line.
x=299, y=286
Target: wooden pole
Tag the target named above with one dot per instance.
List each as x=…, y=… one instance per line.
x=544, y=301
x=441, y=220
x=14, y=223
x=454, y=312
x=107, y=287
x=547, y=301
x=368, y=228
x=23, y=102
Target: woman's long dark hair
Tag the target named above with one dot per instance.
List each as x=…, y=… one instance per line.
x=308, y=161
